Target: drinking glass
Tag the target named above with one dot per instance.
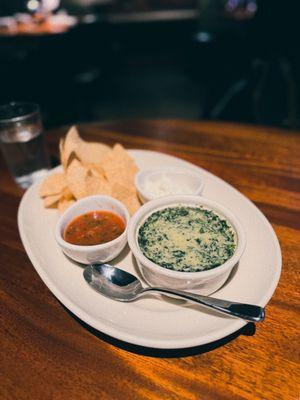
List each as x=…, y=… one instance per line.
x=22, y=142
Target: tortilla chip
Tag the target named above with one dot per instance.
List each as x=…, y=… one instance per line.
x=76, y=177
x=63, y=204
x=51, y=201
x=97, y=185
x=120, y=174
x=119, y=167
x=91, y=152
x=95, y=169
x=67, y=194
x=72, y=141
x=133, y=204
x=120, y=152
x=53, y=184
x=127, y=196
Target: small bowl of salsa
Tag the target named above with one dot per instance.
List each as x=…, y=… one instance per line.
x=94, y=229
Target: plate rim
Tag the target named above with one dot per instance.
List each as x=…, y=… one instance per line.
x=131, y=338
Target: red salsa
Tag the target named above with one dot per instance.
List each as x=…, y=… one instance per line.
x=94, y=227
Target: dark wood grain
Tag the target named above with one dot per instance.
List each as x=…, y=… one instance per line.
x=46, y=353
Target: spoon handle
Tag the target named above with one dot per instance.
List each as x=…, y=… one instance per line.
x=248, y=312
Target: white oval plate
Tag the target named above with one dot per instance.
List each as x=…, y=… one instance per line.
x=155, y=321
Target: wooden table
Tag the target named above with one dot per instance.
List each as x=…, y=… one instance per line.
x=48, y=354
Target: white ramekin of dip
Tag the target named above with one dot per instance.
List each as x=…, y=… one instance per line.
x=158, y=182
x=203, y=282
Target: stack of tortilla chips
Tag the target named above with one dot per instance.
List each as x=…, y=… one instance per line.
x=90, y=168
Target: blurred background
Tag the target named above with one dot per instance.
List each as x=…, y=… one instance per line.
x=85, y=60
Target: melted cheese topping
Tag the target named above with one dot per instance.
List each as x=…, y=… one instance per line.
x=188, y=239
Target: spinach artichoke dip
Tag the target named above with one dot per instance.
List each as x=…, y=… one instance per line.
x=187, y=239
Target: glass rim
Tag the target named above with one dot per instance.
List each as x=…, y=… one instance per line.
x=35, y=109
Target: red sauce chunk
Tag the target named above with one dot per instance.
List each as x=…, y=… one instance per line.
x=94, y=227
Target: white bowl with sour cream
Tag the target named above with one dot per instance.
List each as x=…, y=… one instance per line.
x=203, y=282
x=158, y=182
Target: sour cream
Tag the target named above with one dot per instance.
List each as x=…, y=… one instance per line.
x=164, y=186
x=167, y=181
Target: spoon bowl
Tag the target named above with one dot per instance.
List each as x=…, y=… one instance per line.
x=120, y=285
x=112, y=282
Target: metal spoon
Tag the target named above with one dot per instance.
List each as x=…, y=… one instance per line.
x=120, y=285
